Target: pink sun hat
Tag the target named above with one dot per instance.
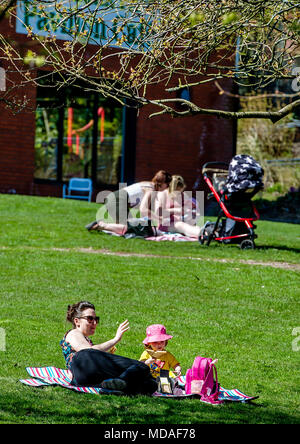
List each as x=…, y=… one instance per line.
x=156, y=333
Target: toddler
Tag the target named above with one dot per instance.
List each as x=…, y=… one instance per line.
x=155, y=355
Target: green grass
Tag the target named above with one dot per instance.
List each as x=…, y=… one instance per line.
x=240, y=313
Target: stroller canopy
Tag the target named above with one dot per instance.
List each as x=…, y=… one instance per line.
x=244, y=173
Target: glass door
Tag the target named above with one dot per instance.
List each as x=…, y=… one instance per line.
x=79, y=136
x=46, y=141
x=78, y=139
x=93, y=135
x=109, y=145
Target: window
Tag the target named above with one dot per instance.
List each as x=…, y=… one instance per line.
x=46, y=139
x=78, y=134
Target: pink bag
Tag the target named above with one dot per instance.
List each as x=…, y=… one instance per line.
x=202, y=380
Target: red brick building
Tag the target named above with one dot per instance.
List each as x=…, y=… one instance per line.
x=37, y=155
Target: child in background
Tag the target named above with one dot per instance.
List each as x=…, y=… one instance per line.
x=155, y=355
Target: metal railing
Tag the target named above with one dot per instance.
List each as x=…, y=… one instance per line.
x=284, y=161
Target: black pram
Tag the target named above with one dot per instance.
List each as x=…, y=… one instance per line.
x=233, y=186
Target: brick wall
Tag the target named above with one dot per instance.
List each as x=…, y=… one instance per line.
x=182, y=145
x=17, y=130
x=179, y=145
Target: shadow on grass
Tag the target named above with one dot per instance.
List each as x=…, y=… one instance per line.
x=280, y=248
x=284, y=209
x=54, y=406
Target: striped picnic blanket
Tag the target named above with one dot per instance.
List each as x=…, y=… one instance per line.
x=45, y=376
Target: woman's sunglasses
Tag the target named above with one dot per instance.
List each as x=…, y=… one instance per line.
x=91, y=319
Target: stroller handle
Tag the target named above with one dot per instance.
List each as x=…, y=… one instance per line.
x=221, y=167
x=214, y=163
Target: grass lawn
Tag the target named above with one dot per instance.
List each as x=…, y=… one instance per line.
x=217, y=301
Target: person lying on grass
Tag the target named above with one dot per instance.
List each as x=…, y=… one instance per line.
x=167, y=214
x=96, y=365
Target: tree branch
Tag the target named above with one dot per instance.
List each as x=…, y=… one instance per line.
x=9, y=4
x=258, y=96
x=193, y=110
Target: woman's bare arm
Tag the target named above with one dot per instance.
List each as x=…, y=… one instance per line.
x=79, y=342
x=105, y=346
x=147, y=207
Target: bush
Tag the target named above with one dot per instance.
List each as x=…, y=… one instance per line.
x=264, y=140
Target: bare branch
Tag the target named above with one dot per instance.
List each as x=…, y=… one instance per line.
x=193, y=109
x=5, y=5
x=123, y=49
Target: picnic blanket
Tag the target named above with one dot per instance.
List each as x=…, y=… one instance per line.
x=46, y=376
x=167, y=236
x=175, y=237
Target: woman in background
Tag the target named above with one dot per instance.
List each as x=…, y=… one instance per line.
x=120, y=202
x=163, y=211
x=170, y=211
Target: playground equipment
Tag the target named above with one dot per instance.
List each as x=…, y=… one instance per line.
x=76, y=132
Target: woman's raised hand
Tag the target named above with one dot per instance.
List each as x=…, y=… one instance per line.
x=121, y=330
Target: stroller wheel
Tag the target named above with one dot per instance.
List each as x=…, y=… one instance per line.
x=206, y=230
x=247, y=244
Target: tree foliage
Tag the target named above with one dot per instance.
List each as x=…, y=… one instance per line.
x=179, y=44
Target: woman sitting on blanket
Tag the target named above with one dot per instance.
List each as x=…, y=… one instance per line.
x=119, y=203
x=163, y=208
x=96, y=365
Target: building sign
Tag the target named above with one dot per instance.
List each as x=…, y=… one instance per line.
x=99, y=23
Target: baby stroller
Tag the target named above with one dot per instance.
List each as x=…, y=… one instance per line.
x=233, y=186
